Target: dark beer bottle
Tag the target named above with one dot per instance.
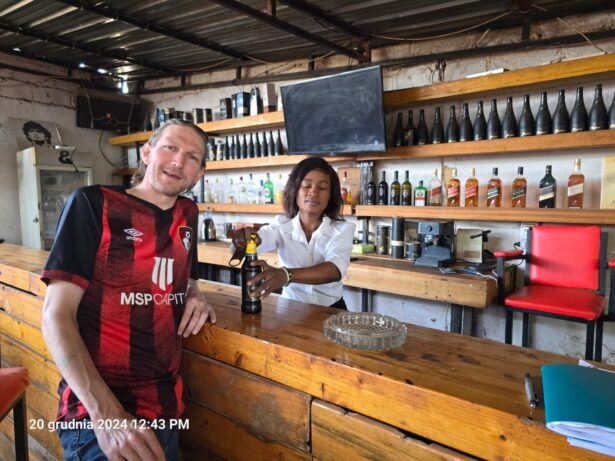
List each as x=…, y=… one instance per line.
x=264, y=151
x=561, y=119
x=383, y=190
x=509, y=122
x=271, y=145
x=279, y=148
x=494, y=126
x=526, y=121
x=410, y=133
x=244, y=147
x=370, y=193
x=227, y=152
x=612, y=115
x=578, y=117
x=398, y=132
x=257, y=146
x=452, y=129
x=597, y=113
x=249, y=304
x=437, y=132
x=251, y=147
x=480, y=124
x=465, y=127
x=421, y=131
x=543, y=117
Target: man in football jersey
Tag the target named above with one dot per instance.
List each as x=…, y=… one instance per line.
x=121, y=295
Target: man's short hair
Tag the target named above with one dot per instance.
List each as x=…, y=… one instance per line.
x=140, y=174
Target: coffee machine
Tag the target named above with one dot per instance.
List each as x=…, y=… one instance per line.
x=436, y=239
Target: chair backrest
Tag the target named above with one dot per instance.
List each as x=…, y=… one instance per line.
x=565, y=256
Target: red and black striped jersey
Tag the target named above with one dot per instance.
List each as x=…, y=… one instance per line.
x=134, y=261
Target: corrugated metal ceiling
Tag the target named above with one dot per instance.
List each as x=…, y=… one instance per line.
x=152, y=38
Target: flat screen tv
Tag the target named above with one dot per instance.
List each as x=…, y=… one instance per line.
x=338, y=114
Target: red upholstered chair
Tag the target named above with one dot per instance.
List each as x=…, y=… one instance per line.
x=13, y=383
x=564, y=278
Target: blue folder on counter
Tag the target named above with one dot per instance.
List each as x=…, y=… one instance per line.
x=580, y=404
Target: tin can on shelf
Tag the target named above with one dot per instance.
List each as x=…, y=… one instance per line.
x=397, y=238
x=197, y=115
x=382, y=239
x=413, y=250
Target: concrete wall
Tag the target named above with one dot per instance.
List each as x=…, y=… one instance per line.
x=23, y=95
x=550, y=335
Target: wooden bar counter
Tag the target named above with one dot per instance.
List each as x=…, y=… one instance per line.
x=272, y=386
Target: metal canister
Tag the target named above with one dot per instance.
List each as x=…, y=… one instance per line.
x=187, y=117
x=413, y=250
x=198, y=115
x=397, y=237
x=209, y=116
x=382, y=239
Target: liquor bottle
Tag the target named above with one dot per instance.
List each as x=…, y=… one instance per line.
x=543, y=117
x=480, y=124
x=244, y=147
x=578, y=116
x=452, y=190
x=576, y=183
x=260, y=197
x=547, y=190
x=422, y=136
x=406, y=190
x=271, y=145
x=217, y=192
x=398, y=132
x=526, y=121
x=561, y=120
x=612, y=115
x=226, y=149
x=452, y=129
x=383, y=191
x=251, y=147
x=494, y=191
x=597, y=113
x=435, y=190
x=279, y=189
x=494, y=126
x=279, y=148
x=231, y=196
x=241, y=196
x=264, y=152
x=465, y=127
x=395, y=191
x=249, y=304
x=471, y=190
x=211, y=150
x=207, y=197
x=257, y=146
x=251, y=190
x=269, y=190
x=420, y=195
x=410, y=133
x=519, y=190
x=437, y=132
x=509, y=122
x=344, y=187
x=370, y=193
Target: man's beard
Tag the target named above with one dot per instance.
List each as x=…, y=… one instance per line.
x=167, y=189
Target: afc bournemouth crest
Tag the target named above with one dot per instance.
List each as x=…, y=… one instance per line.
x=185, y=234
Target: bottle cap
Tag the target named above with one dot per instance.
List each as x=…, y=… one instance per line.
x=251, y=246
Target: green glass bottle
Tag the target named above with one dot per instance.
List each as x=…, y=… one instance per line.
x=395, y=191
x=406, y=191
x=269, y=190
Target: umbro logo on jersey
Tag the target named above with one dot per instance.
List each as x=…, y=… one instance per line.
x=162, y=275
x=133, y=234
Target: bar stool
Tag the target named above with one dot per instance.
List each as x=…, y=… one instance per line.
x=13, y=383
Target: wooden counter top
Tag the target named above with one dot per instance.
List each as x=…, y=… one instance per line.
x=378, y=273
x=462, y=392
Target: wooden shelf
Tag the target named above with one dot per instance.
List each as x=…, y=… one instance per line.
x=540, y=215
x=563, y=141
x=232, y=125
x=578, y=70
x=269, y=162
x=275, y=208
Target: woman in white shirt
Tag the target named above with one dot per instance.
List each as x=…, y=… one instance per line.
x=313, y=241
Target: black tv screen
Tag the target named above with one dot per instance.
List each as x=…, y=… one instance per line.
x=339, y=114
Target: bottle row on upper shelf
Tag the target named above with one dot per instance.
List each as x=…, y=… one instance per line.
x=243, y=148
x=507, y=127
x=433, y=194
x=242, y=192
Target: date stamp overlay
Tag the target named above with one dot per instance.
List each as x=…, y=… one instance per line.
x=132, y=424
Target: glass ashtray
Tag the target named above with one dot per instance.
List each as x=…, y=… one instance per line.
x=364, y=330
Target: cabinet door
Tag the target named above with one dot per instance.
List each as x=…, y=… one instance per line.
x=55, y=187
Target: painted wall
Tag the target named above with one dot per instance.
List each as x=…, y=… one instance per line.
x=24, y=95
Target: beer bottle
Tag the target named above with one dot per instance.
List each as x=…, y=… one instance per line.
x=249, y=305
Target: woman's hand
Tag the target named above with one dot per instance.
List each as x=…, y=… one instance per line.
x=242, y=236
x=267, y=281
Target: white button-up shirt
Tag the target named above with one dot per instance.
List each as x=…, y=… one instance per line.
x=331, y=242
